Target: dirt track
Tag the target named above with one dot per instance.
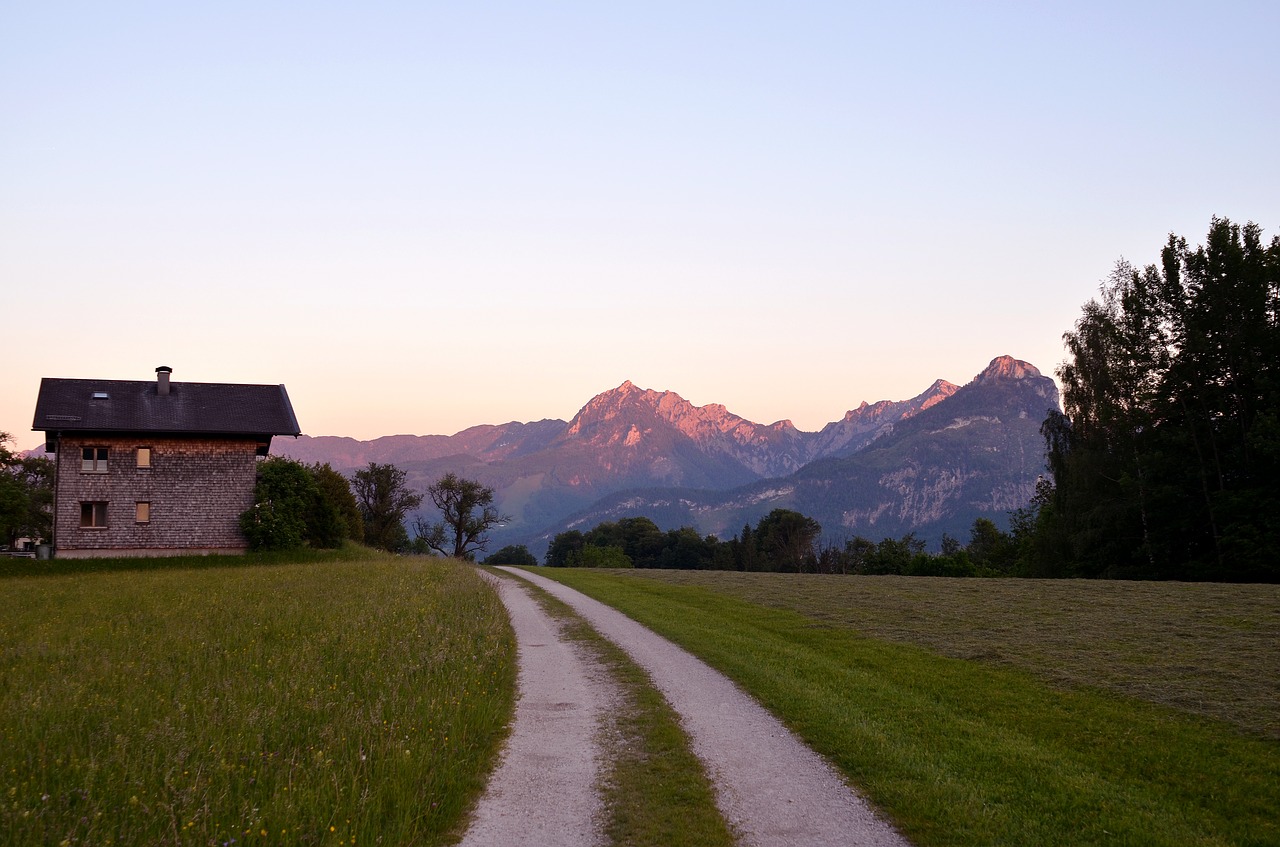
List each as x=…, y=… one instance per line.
x=772, y=789
x=544, y=789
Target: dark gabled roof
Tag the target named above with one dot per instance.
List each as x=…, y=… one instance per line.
x=209, y=408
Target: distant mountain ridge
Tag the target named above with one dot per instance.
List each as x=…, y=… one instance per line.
x=490, y=442
x=631, y=439
x=862, y=425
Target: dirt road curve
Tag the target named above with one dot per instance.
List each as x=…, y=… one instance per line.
x=770, y=787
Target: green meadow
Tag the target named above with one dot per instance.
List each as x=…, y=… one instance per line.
x=1004, y=712
x=350, y=698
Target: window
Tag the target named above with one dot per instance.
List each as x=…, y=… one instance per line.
x=142, y=512
x=93, y=515
x=144, y=457
x=93, y=460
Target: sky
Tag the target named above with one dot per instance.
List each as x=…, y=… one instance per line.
x=424, y=216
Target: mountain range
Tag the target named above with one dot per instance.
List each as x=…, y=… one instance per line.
x=927, y=465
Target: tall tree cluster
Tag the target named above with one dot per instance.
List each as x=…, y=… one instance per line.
x=384, y=499
x=1165, y=462
x=26, y=495
x=297, y=505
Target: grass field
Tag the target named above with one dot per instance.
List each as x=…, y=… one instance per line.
x=1039, y=734
x=346, y=699
x=354, y=698
x=1207, y=648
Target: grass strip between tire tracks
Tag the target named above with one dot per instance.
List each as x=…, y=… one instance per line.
x=656, y=793
x=961, y=753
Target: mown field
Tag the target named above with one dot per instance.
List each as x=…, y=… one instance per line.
x=351, y=698
x=1005, y=711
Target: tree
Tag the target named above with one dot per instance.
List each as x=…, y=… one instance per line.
x=35, y=474
x=467, y=512
x=384, y=501
x=859, y=553
x=990, y=548
x=512, y=554
x=685, y=549
x=336, y=489
x=283, y=495
x=894, y=555
x=746, y=551
x=787, y=537
x=296, y=505
x=1042, y=551
x=26, y=495
x=638, y=537
x=563, y=547
x=1164, y=463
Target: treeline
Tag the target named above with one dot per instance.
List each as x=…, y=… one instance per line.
x=1166, y=462
x=300, y=505
x=785, y=541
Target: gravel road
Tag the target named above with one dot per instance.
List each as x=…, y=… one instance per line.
x=543, y=791
x=772, y=789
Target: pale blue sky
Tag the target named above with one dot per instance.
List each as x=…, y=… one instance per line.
x=422, y=216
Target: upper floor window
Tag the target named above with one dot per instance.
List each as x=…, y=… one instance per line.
x=93, y=460
x=93, y=515
x=144, y=457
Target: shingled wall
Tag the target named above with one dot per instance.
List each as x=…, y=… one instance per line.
x=197, y=489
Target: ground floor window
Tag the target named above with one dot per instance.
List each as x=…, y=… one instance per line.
x=93, y=514
x=142, y=512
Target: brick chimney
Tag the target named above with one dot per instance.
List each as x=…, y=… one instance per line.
x=162, y=380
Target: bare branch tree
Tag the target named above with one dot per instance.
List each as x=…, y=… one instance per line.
x=467, y=510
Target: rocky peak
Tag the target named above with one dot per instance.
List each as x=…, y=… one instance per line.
x=631, y=405
x=1007, y=367
x=934, y=394
x=644, y=423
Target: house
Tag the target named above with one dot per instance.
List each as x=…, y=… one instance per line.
x=155, y=468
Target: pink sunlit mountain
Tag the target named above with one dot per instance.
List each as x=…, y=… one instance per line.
x=631, y=439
